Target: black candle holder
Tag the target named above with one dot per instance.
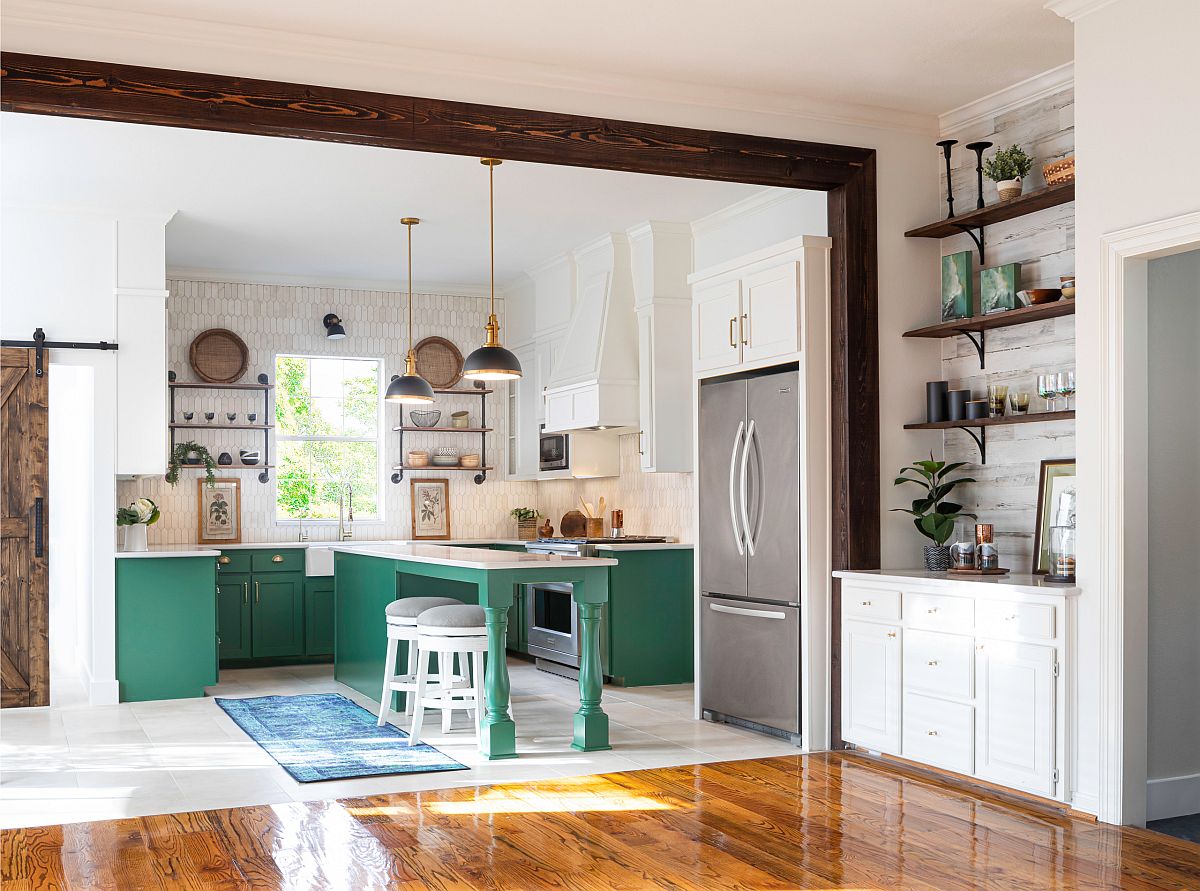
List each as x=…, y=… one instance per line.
x=977, y=148
x=945, y=145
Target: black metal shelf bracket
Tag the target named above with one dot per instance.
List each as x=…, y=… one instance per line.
x=976, y=234
x=40, y=345
x=980, y=440
x=978, y=344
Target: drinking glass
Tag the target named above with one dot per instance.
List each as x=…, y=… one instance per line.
x=1018, y=402
x=1047, y=386
x=1066, y=387
x=997, y=395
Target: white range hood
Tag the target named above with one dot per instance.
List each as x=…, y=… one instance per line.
x=594, y=383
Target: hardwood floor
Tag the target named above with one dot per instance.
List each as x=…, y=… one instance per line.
x=813, y=822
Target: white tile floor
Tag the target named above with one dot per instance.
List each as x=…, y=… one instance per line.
x=72, y=762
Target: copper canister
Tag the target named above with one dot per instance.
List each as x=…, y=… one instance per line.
x=986, y=555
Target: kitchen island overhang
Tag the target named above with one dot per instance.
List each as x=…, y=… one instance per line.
x=367, y=578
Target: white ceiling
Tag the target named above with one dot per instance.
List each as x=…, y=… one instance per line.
x=324, y=212
x=923, y=57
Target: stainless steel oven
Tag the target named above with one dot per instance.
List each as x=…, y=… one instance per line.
x=554, y=452
x=553, y=623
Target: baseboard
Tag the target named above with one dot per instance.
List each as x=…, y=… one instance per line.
x=107, y=692
x=1173, y=797
x=1086, y=802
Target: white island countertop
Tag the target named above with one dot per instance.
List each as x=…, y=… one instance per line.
x=469, y=558
x=214, y=550
x=1018, y=582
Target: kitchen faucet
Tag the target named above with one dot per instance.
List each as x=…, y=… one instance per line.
x=345, y=532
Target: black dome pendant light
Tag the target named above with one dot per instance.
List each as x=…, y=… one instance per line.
x=492, y=362
x=409, y=388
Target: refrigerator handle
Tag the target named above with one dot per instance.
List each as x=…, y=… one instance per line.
x=753, y=613
x=745, y=509
x=737, y=535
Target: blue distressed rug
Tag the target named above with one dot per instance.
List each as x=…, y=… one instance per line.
x=325, y=736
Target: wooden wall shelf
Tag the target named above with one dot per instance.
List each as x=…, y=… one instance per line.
x=1050, y=196
x=1006, y=319
x=982, y=425
x=398, y=470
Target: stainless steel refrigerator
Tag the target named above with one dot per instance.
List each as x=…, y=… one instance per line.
x=750, y=551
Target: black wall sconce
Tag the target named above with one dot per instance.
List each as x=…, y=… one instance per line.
x=333, y=327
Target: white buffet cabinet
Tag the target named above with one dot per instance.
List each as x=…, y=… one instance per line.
x=969, y=676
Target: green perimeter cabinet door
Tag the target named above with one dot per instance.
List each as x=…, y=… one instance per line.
x=166, y=627
x=233, y=615
x=318, y=616
x=650, y=617
x=278, y=606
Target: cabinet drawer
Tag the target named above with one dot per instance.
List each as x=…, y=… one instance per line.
x=1007, y=619
x=938, y=732
x=233, y=561
x=938, y=612
x=871, y=603
x=277, y=561
x=942, y=664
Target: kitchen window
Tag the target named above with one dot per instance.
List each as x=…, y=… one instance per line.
x=328, y=424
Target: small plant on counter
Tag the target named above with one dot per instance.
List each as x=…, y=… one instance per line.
x=134, y=520
x=934, y=517
x=526, y=518
x=1007, y=168
x=179, y=458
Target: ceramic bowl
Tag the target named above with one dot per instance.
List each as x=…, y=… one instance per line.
x=249, y=456
x=444, y=460
x=424, y=418
x=470, y=461
x=460, y=419
x=1038, y=296
x=418, y=459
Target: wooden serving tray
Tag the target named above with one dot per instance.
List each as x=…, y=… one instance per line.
x=1001, y=571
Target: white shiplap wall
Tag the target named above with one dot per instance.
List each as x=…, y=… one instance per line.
x=1044, y=244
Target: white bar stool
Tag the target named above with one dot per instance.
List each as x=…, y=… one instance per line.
x=450, y=631
x=402, y=625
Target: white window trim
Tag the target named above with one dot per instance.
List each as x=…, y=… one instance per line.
x=378, y=439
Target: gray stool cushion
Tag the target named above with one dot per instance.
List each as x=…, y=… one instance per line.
x=411, y=607
x=460, y=615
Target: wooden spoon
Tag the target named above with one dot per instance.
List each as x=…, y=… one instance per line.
x=587, y=512
x=603, y=502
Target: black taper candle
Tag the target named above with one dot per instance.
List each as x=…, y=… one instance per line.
x=945, y=145
x=977, y=148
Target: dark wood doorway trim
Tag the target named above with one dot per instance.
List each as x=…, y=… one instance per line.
x=113, y=92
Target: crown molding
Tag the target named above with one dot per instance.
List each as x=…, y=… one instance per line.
x=756, y=203
x=658, y=228
x=38, y=26
x=243, y=277
x=1030, y=90
x=1074, y=10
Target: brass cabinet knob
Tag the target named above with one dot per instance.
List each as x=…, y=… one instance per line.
x=932, y=663
x=891, y=634
x=224, y=560
x=931, y=733
x=866, y=603
x=278, y=558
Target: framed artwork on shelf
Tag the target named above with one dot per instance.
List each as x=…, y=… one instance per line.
x=430, y=509
x=1055, y=507
x=219, y=512
x=958, y=299
x=998, y=286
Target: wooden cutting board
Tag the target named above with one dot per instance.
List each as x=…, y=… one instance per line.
x=572, y=525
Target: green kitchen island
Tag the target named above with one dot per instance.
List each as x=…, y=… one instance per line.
x=369, y=577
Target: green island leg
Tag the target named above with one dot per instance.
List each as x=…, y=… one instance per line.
x=498, y=733
x=591, y=723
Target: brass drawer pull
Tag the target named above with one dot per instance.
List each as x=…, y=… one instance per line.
x=931, y=733
x=278, y=558
x=866, y=603
x=256, y=592
x=224, y=560
x=732, y=342
x=891, y=634
x=245, y=593
x=743, y=326
x=931, y=610
x=932, y=663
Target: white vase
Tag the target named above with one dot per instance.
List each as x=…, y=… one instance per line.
x=135, y=538
x=1008, y=188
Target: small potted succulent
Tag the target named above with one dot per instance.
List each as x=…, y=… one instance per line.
x=934, y=517
x=526, y=518
x=1006, y=169
x=134, y=520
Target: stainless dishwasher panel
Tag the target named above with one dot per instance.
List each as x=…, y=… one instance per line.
x=750, y=666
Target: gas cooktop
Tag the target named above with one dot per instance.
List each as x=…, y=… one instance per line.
x=626, y=539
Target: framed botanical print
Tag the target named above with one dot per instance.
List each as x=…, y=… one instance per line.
x=219, y=511
x=430, y=509
x=1055, y=507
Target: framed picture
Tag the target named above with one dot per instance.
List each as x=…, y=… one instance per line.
x=430, y=509
x=958, y=299
x=1056, y=507
x=998, y=287
x=219, y=512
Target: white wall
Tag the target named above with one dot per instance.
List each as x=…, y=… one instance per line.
x=1173, y=750
x=760, y=221
x=1136, y=70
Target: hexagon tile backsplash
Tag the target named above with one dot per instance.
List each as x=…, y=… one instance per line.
x=281, y=319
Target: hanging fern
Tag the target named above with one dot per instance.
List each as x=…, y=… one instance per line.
x=185, y=450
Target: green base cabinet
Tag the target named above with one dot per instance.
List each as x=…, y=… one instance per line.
x=277, y=618
x=650, y=618
x=233, y=615
x=318, y=616
x=166, y=627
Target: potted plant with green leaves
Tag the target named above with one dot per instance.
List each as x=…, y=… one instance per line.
x=191, y=454
x=933, y=516
x=1006, y=169
x=134, y=520
x=526, y=518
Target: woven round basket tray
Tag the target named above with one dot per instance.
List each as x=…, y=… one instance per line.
x=218, y=356
x=439, y=362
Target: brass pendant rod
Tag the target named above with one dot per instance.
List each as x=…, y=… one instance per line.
x=492, y=235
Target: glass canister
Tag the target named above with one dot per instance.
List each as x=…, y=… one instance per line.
x=986, y=555
x=1062, y=554
x=962, y=552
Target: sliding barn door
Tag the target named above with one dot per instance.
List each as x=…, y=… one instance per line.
x=24, y=575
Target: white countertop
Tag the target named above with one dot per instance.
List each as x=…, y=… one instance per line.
x=470, y=558
x=172, y=551
x=198, y=550
x=1018, y=582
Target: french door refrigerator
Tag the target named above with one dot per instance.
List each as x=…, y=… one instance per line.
x=749, y=486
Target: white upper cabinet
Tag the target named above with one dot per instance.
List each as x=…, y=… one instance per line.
x=662, y=258
x=748, y=313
